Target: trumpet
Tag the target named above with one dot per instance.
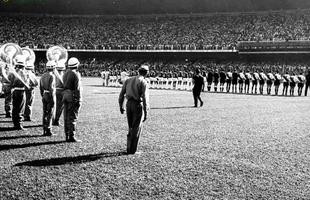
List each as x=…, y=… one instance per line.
x=60, y=55
x=8, y=52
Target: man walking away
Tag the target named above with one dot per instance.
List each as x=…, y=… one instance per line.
x=136, y=91
x=198, y=87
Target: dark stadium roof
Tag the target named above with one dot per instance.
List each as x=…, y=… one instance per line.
x=114, y=7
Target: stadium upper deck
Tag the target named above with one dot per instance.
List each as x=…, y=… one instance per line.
x=193, y=32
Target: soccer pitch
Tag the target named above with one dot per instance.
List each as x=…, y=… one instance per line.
x=234, y=147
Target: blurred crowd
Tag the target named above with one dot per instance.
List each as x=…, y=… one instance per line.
x=209, y=31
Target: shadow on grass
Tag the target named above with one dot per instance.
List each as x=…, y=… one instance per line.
x=33, y=126
x=7, y=129
x=70, y=160
x=19, y=137
x=176, y=107
x=20, y=146
x=9, y=121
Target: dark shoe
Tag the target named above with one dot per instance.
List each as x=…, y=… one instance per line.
x=72, y=139
x=201, y=104
x=19, y=128
x=48, y=133
x=27, y=119
x=8, y=115
x=56, y=123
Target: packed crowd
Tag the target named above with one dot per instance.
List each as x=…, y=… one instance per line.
x=210, y=31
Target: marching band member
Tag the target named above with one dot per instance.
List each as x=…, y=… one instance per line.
x=33, y=83
x=228, y=80
x=248, y=78
x=216, y=77
x=234, y=81
x=301, y=83
x=262, y=79
x=60, y=67
x=72, y=98
x=241, y=78
x=6, y=88
x=270, y=79
x=255, y=81
x=286, y=81
x=48, y=94
x=277, y=82
x=18, y=85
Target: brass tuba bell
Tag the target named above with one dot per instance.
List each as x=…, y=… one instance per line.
x=30, y=56
x=57, y=53
x=9, y=51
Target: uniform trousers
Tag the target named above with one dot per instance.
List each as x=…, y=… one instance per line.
x=196, y=95
x=307, y=87
x=7, y=99
x=48, y=110
x=18, y=110
x=71, y=114
x=134, y=110
x=29, y=101
x=59, y=104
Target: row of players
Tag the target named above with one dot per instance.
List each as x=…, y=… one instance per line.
x=233, y=80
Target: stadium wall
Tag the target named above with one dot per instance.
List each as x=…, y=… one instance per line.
x=223, y=55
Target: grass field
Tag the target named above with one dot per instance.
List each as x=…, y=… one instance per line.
x=234, y=147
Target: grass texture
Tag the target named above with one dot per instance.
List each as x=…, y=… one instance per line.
x=234, y=147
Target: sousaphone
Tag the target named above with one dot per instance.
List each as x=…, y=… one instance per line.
x=8, y=53
x=59, y=54
x=30, y=56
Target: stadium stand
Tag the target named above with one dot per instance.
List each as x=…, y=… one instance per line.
x=209, y=31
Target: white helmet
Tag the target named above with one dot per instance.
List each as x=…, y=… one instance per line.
x=30, y=66
x=73, y=62
x=20, y=60
x=61, y=66
x=51, y=64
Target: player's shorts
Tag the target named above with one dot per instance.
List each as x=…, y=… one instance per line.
x=277, y=82
x=269, y=82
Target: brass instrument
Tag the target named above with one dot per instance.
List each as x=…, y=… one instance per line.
x=8, y=53
x=30, y=56
x=30, y=60
x=59, y=54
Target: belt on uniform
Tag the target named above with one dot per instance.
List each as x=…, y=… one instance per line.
x=5, y=83
x=60, y=89
x=46, y=91
x=132, y=99
x=19, y=89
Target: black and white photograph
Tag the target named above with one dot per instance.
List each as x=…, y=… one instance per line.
x=154, y=99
